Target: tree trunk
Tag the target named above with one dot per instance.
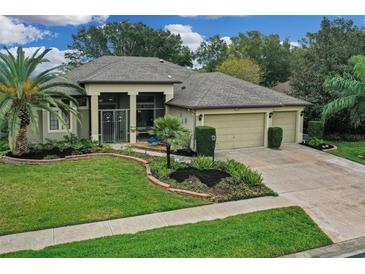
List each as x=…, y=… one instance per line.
x=21, y=143
x=168, y=152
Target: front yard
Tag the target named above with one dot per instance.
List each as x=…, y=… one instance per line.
x=72, y=192
x=350, y=150
x=269, y=233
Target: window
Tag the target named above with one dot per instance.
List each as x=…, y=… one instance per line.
x=54, y=124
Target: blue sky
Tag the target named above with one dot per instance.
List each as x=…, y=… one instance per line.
x=56, y=31
x=292, y=27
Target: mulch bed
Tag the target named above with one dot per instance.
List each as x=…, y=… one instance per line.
x=320, y=147
x=40, y=154
x=209, y=177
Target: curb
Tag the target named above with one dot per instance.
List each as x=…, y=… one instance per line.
x=151, y=178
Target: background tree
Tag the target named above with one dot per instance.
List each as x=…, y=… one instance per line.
x=272, y=55
x=127, y=39
x=168, y=129
x=323, y=55
x=211, y=53
x=23, y=94
x=349, y=91
x=242, y=68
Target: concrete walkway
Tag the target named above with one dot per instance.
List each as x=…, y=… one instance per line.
x=48, y=237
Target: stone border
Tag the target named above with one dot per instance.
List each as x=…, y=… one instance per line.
x=151, y=178
x=334, y=148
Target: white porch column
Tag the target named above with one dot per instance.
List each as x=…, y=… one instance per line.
x=132, y=116
x=298, y=127
x=94, y=108
x=268, y=123
x=168, y=96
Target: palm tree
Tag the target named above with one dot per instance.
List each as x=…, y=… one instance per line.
x=350, y=91
x=168, y=129
x=22, y=94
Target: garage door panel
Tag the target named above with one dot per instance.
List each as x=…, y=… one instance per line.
x=237, y=130
x=287, y=121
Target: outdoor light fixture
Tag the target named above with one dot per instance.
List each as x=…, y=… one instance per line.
x=301, y=113
x=270, y=114
x=200, y=117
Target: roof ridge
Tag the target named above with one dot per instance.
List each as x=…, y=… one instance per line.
x=94, y=73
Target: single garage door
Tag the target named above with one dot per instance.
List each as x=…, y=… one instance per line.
x=237, y=130
x=286, y=120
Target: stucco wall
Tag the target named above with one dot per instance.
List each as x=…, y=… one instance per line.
x=187, y=119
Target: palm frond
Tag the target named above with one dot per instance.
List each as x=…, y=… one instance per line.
x=338, y=105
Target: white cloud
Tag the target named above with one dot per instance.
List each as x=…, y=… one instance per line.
x=63, y=20
x=56, y=57
x=14, y=32
x=295, y=44
x=227, y=39
x=189, y=38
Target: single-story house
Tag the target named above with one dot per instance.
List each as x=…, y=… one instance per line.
x=126, y=94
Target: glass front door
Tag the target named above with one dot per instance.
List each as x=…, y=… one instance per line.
x=114, y=126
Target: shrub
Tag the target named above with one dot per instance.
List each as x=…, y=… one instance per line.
x=275, y=137
x=159, y=167
x=182, y=142
x=315, y=129
x=243, y=173
x=315, y=142
x=202, y=162
x=230, y=189
x=205, y=144
x=4, y=147
x=345, y=137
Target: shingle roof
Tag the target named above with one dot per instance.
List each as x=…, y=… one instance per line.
x=128, y=69
x=218, y=90
x=191, y=89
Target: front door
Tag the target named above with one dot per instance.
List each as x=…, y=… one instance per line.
x=114, y=125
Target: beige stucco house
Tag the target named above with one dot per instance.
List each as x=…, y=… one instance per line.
x=126, y=94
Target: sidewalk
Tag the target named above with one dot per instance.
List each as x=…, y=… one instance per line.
x=48, y=237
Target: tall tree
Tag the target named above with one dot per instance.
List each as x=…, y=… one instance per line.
x=349, y=91
x=211, y=53
x=23, y=94
x=272, y=55
x=323, y=55
x=127, y=39
x=242, y=68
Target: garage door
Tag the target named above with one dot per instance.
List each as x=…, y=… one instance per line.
x=286, y=120
x=237, y=130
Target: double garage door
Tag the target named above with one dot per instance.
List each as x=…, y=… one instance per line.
x=247, y=130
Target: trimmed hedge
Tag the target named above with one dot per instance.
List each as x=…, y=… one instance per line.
x=205, y=145
x=315, y=129
x=275, y=137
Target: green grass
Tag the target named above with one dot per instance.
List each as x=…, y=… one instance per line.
x=268, y=233
x=350, y=150
x=38, y=197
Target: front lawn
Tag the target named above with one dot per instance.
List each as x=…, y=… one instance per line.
x=350, y=150
x=72, y=192
x=269, y=233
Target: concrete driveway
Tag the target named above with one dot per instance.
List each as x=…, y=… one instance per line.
x=329, y=188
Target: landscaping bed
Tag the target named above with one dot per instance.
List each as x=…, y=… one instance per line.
x=269, y=233
x=222, y=180
x=70, y=145
x=319, y=144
